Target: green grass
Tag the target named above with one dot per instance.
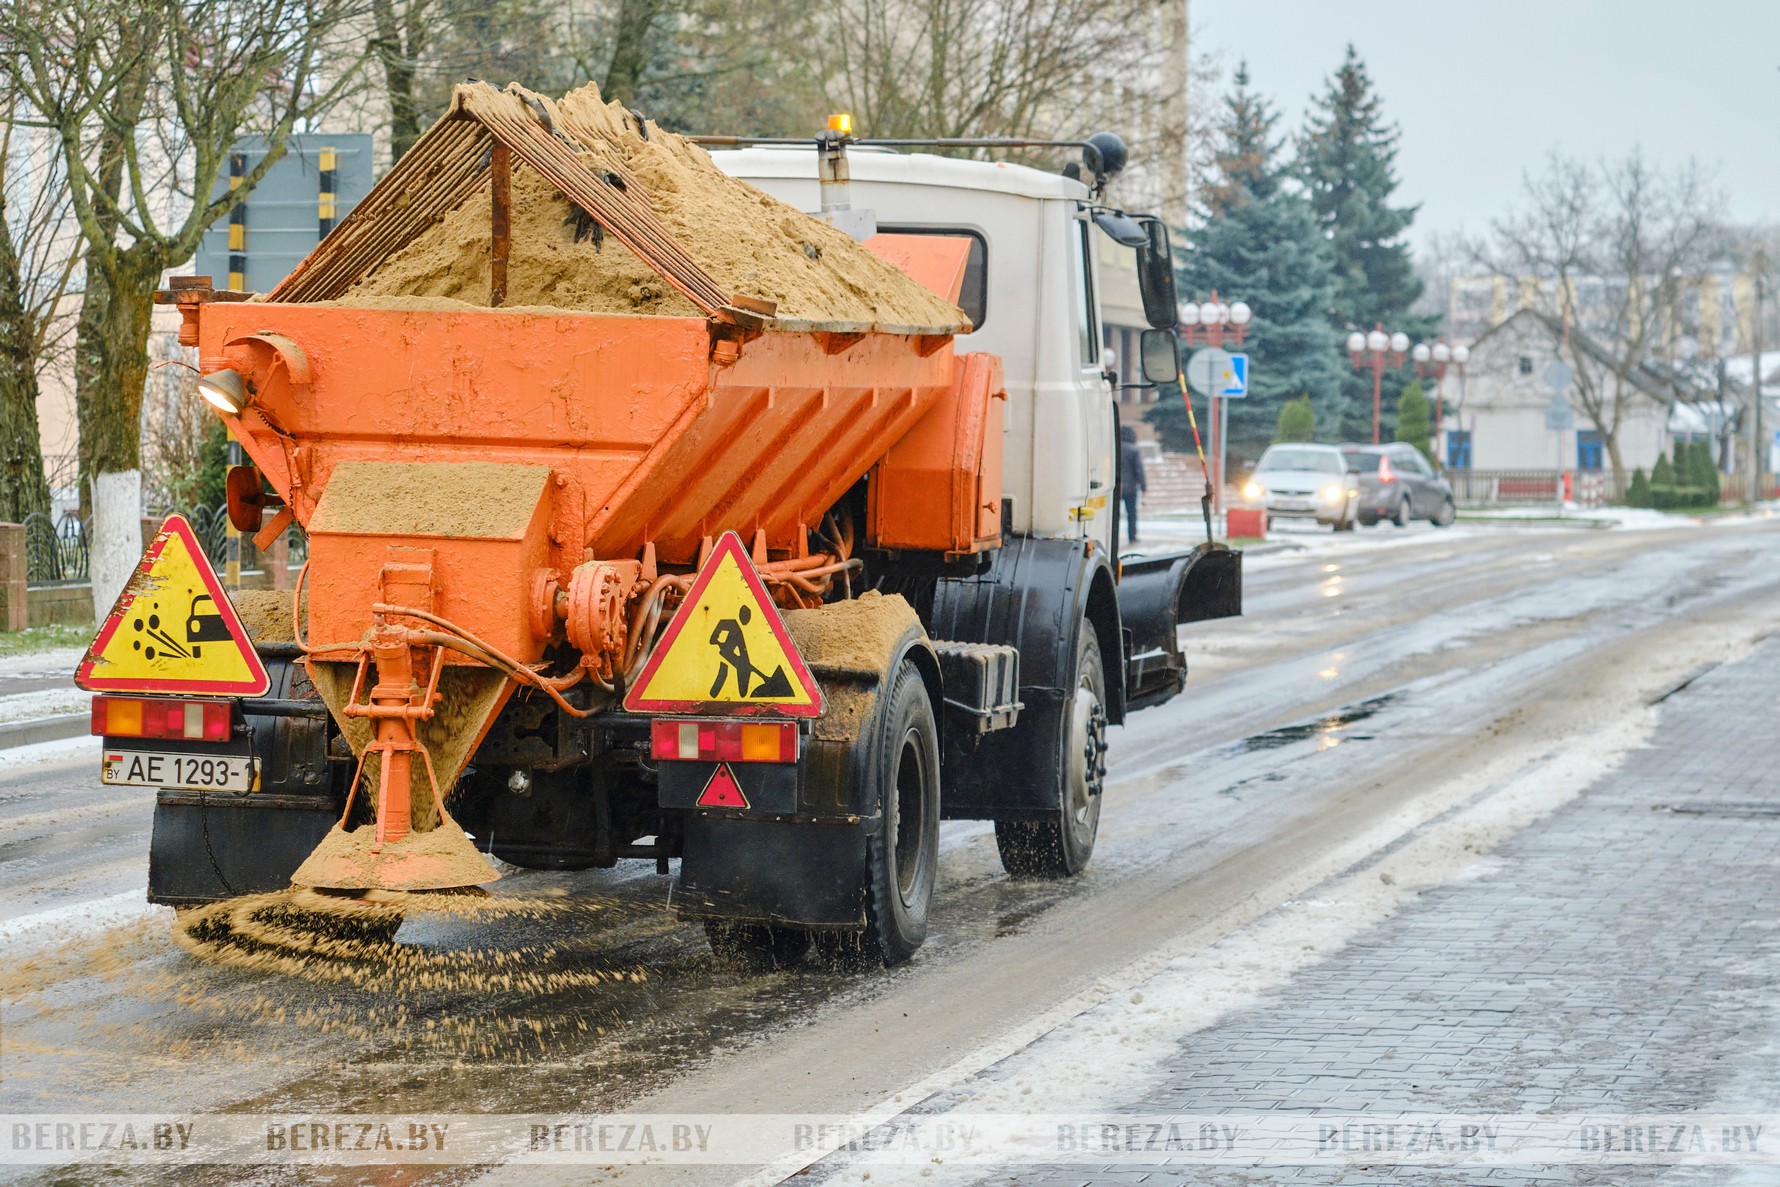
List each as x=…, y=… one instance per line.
x=45, y=638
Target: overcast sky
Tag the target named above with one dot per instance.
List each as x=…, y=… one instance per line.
x=1484, y=89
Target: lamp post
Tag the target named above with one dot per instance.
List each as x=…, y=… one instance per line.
x=1377, y=350
x=1212, y=323
x=1433, y=360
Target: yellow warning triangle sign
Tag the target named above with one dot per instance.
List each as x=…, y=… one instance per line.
x=173, y=629
x=726, y=649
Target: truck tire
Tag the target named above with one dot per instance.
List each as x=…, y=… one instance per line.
x=902, y=856
x=1061, y=846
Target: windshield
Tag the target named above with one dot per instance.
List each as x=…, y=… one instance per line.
x=1318, y=460
x=1361, y=461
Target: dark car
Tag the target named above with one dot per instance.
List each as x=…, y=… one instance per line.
x=1397, y=483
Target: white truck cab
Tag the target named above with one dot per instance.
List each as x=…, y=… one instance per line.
x=1029, y=290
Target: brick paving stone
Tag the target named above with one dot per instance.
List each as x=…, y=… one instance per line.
x=1617, y=957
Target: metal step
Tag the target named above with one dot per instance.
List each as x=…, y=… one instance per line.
x=982, y=682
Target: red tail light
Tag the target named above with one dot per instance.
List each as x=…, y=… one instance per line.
x=728, y=741
x=1385, y=473
x=141, y=717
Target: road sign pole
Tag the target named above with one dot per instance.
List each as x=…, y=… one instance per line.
x=1217, y=458
x=1557, y=481
x=1223, y=450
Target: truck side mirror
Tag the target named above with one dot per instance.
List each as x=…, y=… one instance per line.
x=1159, y=356
x=1155, y=274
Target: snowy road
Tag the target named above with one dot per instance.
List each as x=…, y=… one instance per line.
x=1411, y=698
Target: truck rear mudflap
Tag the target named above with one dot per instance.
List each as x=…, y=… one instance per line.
x=787, y=842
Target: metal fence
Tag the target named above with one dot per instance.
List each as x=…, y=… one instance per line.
x=59, y=553
x=1590, y=488
x=55, y=554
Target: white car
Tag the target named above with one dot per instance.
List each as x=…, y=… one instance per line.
x=1305, y=482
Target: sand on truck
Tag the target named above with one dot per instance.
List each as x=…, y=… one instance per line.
x=751, y=244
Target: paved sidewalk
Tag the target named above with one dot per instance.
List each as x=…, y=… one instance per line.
x=1620, y=957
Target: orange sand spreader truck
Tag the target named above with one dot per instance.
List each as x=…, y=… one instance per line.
x=651, y=517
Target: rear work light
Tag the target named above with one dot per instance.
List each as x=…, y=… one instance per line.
x=140, y=717
x=724, y=741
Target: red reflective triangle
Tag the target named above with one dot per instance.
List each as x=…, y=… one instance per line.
x=722, y=791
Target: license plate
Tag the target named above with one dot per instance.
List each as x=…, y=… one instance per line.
x=190, y=772
x=1294, y=504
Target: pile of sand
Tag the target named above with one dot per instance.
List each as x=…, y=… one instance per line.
x=751, y=245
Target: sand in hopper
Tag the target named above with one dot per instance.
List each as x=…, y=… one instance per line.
x=751, y=244
x=849, y=645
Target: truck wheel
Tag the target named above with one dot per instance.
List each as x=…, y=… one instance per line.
x=903, y=855
x=1061, y=846
x=757, y=947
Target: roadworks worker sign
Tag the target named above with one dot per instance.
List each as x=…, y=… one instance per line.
x=726, y=649
x=173, y=629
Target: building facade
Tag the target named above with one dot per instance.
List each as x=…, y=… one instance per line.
x=1494, y=415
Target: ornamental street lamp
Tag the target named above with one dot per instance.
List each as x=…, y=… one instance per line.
x=1209, y=323
x=1377, y=350
x=1434, y=360
x=1213, y=323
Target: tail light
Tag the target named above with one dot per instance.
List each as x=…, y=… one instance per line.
x=726, y=741
x=141, y=717
x=1385, y=473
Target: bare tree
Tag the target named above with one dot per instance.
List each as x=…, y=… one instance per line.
x=1613, y=249
x=145, y=99
x=984, y=67
x=38, y=259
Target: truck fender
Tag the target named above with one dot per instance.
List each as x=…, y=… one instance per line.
x=1034, y=595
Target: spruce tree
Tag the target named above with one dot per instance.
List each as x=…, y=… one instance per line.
x=1297, y=421
x=1347, y=158
x=1662, y=483
x=1710, y=489
x=1415, y=419
x=1638, y=493
x=1259, y=243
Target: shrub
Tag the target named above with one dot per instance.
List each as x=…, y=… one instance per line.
x=1662, y=483
x=1637, y=494
x=1297, y=421
x=1415, y=420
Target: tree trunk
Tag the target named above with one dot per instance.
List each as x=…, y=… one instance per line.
x=111, y=363
x=630, y=50
x=1610, y=441
x=397, y=61
x=22, y=485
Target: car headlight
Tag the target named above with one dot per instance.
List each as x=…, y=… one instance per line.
x=1254, y=490
x=1333, y=493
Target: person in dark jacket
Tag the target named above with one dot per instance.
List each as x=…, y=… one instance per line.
x=1131, y=480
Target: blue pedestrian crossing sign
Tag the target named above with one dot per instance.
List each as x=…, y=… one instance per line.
x=1238, y=388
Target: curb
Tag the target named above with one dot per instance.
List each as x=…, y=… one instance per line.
x=44, y=729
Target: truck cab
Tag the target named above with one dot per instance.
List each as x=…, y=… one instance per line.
x=1029, y=291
